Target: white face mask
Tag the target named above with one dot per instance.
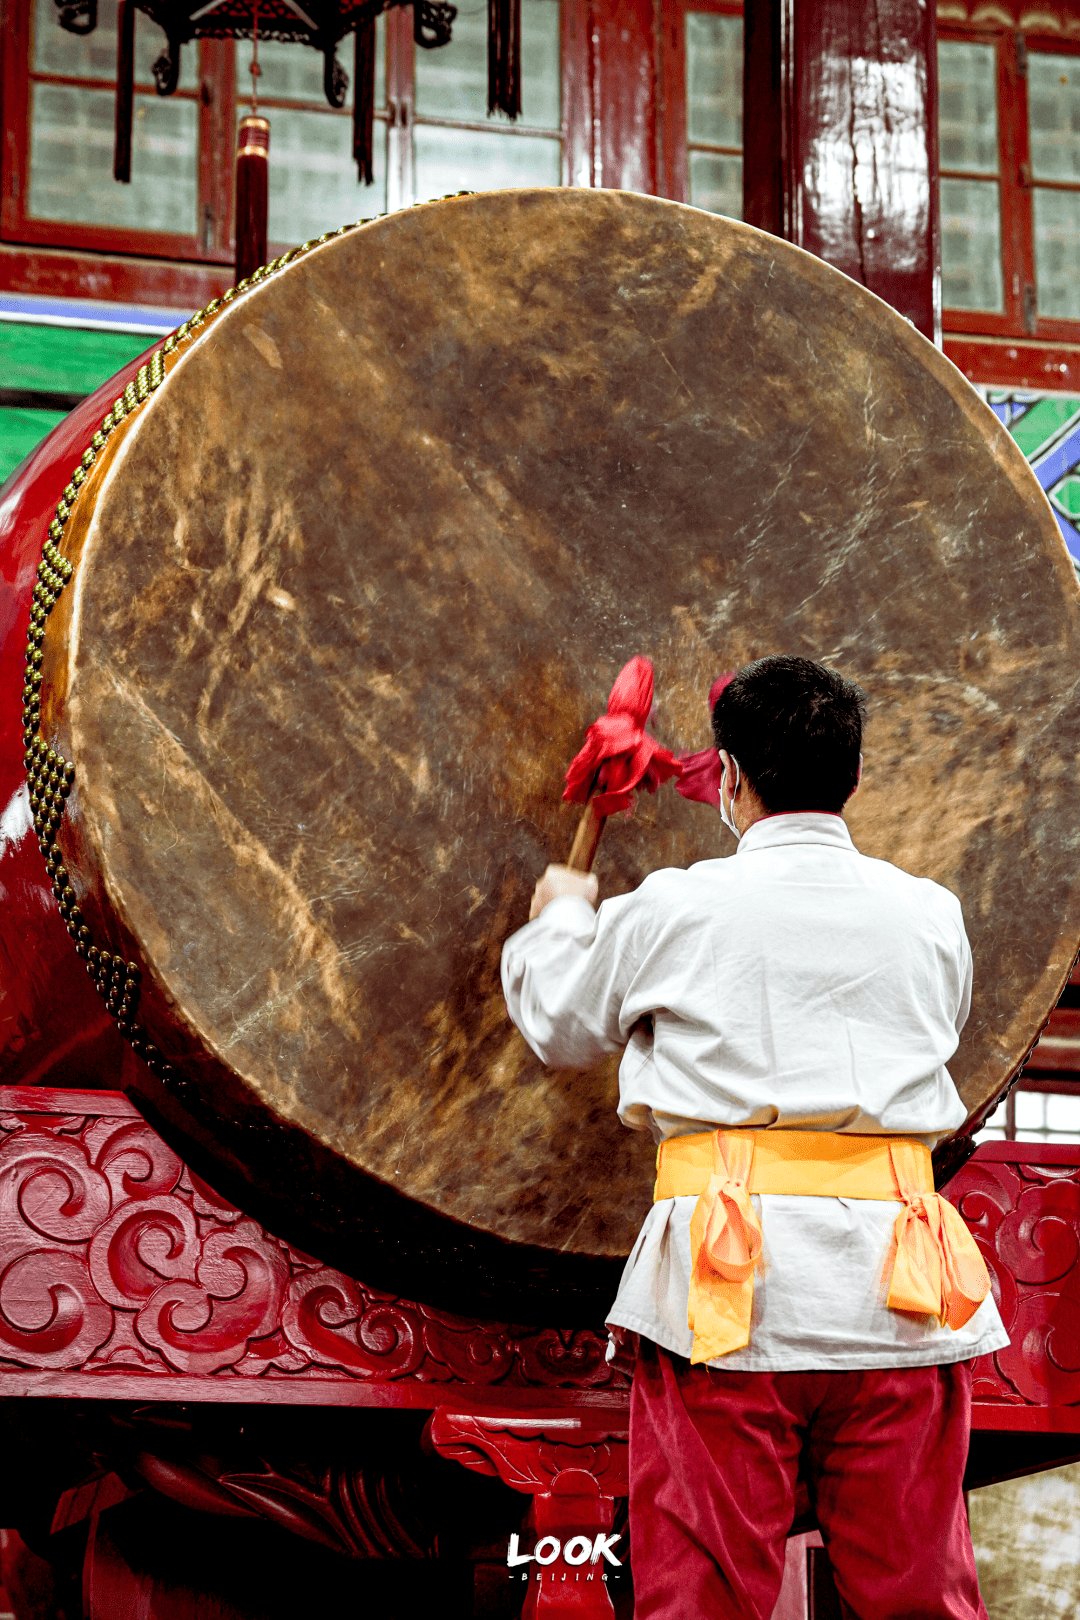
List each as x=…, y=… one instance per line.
x=728, y=818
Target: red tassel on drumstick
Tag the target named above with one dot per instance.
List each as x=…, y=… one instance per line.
x=618, y=758
x=702, y=773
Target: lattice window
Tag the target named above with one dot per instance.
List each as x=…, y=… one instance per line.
x=1009, y=116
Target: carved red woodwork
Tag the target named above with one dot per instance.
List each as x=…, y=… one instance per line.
x=123, y=1275
x=573, y=1468
x=1022, y=1203
x=117, y=1264
x=357, y=1510
x=112, y=1587
x=528, y=1451
x=572, y=1513
x=120, y=1269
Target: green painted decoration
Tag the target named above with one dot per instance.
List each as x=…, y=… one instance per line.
x=47, y=360
x=63, y=359
x=20, y=431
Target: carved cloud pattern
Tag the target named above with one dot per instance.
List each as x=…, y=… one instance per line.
x=116, y=1259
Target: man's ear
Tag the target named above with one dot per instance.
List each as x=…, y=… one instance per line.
x=727, y=765
x=858, y=780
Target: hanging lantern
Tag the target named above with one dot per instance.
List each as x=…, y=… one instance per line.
x=318, y=23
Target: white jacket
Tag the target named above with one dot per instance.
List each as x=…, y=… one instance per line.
x=796, y=984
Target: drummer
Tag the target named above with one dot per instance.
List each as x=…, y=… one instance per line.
x=805, y=999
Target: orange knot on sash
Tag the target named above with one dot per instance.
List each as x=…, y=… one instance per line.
x=725, y=1242
x=937, y=1271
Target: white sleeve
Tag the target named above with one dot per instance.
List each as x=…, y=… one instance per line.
x=965, y=967
x=565, y=977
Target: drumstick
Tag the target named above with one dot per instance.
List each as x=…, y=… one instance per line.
x=617, y=759
x=587, y=839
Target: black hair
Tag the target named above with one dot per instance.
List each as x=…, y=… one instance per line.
x=795, y=728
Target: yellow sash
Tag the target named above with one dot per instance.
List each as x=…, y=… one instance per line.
x=937, y=1270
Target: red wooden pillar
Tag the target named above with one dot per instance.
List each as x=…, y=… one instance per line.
x=623, y=75
x=573, y=1467
x=840, y=141
x=610, y=93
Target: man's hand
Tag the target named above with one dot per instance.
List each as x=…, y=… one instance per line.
x=559, y=880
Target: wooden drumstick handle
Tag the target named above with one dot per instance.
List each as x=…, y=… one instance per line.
x=586, y=839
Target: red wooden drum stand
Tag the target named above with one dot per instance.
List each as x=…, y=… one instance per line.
x=208, y=1418
x=185, y=1392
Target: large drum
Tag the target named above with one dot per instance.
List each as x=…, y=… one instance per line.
x=329, y=598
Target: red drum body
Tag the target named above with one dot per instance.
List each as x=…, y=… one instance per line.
x=54, y=1029
x=322, y=606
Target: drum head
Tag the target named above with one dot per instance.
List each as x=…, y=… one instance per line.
x=358, y=577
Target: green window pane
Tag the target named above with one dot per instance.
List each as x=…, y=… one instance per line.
x=714, y=68
x=20, y=432
x=967, y=108
x=1054, y=116
x=971, y=245
x=93, y=56
x=295, y=72
x=63, y=359
x=450, y=160
x=1057, y=253
x=1066, y=495
x=313, y=185
x=451, y=81
x=71, y=160
x=716, y=183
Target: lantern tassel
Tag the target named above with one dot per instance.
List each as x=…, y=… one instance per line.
x=364, y=101
x=252, y=161
x=125, y=89
x=504, y=57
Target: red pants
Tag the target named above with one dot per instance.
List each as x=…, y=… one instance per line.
x=714, y=1458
